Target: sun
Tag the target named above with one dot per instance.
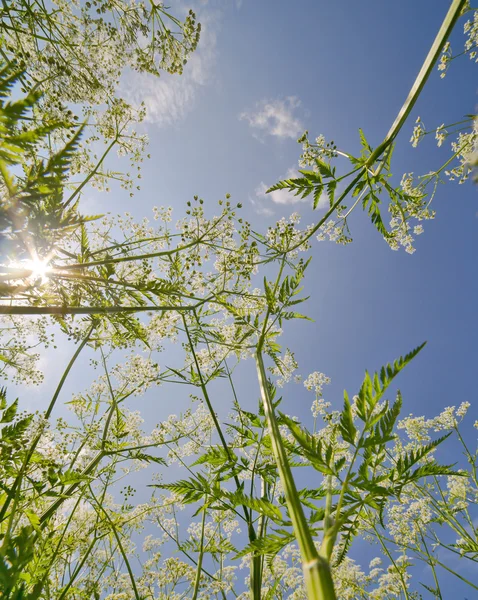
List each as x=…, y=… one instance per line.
x=33, y=270
x=38, y=267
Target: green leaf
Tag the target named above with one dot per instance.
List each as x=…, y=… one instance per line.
x=10, y=413
x=260, y=505
x=3, y=398
x=34, y=519
x=216, y=456
x=346, y=423
x=324, y=168
x=191, y=490
x=312, y=449
x=401, y=475
x=371, y=392
x=367, y=149
x=301, y=186
x=270, y=544
x=371, y=203
x=317, y=195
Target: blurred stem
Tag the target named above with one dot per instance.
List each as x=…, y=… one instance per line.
x=201, y=554
x=328, y=540
x=88, y=310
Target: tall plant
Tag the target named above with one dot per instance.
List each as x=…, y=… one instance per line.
x=200, y=283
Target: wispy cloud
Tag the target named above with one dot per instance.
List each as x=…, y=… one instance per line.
x=275, y=117
x=169, y=98
x=264, y=203
x=278, y=196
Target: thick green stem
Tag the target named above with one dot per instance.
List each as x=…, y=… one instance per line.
x=447, y=26
x=422, y=77
x=317, y=575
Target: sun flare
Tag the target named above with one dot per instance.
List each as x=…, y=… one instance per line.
x=39, y=269
x=33, y=269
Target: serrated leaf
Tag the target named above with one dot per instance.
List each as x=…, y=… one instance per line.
x=260, y=505
x=216, y=456
x=10, y=412
x=270, y=544
x=346, y=423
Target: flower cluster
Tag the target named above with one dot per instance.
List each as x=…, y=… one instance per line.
x=445, y=59
x=418, y=132
x=410, y=205
x=285, y=368
x=321, y=149
x=471, y=29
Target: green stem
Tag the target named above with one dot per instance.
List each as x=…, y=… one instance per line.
x=318, y=578
x=329, y=540
x=91, y=173
x=18, y=481
x=256, y=579
x=431, y=562
x=201, y=554
x=78, y=568
x=120, y=546
x=331, y=210
x=390, y=557
x=87, y=310
x=422, y=555
x=449, y=22
x=467, y=581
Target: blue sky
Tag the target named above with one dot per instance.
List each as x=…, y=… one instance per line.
x=330, y=68
x=264, y=72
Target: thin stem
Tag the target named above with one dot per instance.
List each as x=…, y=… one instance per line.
x=431, y=562
x=421, y=555
x=120, y=546
x=331, y=210
x=201, y=554
x=171, y=252
x=390, y=557
x=256, y=560
x=18, y=481
x=91, y=173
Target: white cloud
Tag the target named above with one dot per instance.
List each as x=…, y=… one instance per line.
x=279, y=196
x=261, y=208
x=276, y=117
x=264, y=203
x=170, y=97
